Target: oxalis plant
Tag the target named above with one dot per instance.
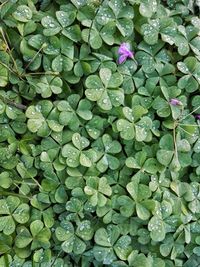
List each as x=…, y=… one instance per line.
x=99, y=133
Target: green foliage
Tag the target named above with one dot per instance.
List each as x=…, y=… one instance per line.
x=98, y=167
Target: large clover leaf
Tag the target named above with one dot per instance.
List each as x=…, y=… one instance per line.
x=165, y=26
x=95, y=126
x=76, y=154
x=97, y=189
x=86, y=63
x=108, y=147
x=74, y=240
x=110, y=244
x=166, y=151
x=112, y=18
x=67, y=115
x=191, y=68
x=37, y=237
x=4, y=60
x=48, y=85
x=62, y=23
x=12, y=212
x=150, y=55
x=140, y=194
x=105, y=89
x=186, y=39
x=37, y=119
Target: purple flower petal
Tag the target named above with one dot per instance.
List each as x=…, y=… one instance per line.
x=122, y=59
x=124, y=52
x=175, y=102
x=124, y=48
x=130, y=54
x=197, y=116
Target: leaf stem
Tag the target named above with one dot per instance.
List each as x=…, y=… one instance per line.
x=60, y=252
x=42, y=73
x=3, y=64
x=3, y=3
x=24, y=194
x=5, y=193
x=189, y=124
x=174, y=138
x=91, y=26
x=190, y=113
x=30, y=176
x=11, y=103
x=34, y=57
x=9, y=50
x=185, y=131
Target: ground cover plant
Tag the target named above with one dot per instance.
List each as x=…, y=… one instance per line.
x=99, y=133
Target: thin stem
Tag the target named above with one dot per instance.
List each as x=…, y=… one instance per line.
x=3, y=64
x=60, y=252
x=22, y=182
x=5, y=193
x=190, y=113
x=182, y=110
x=3, y=3
x=11, y=103
x=42, y=73
x=185, y=131
x=189, y=124
x=174, y=138
x=91, y=26
x=19, y=189
x=17, y=74
x=37, y=183
x=34, y=57
x=9, y=50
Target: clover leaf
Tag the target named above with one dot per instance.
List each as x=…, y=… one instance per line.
x=74, y=240
x=97, y=189
x=5, y=180
x=142, y=129
x=112, y=18
x=36, y=119
x=140, y=193
x=165, y=154
x=137, y=161
x=76, y=154
x=86, y=63
x=105, y=89
x=37, y=237
x=3, y=70
x=126, y=126
x=63, y=24
x=156, y=228
x=108, y=148
x=12, y=212
x=67, y=115
x=185, y=39
x=191, y=68
x=48, y=85
x=109, y=244
x=166, y=27
x=23, y=13
x=148, y=56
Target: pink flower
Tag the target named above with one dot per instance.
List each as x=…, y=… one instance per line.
x=175, y=102
x=197, y=116
x=124, y=53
